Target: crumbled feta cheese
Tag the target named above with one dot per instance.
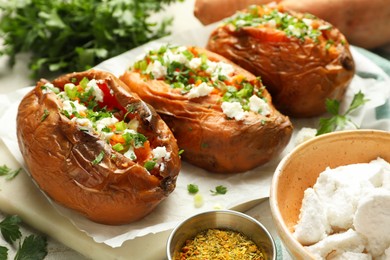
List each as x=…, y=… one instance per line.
x=157, y=69
x=84, y=122
x=105, y=122
x=68, y=105
x=313, y=225
x=354, y=198
x=233, y=110
x=49, y=88
x=177, y=56
x=307, y=21
x=195, y=63
x=258, y=105
x=216, y=69
x=350, y=241
x=130, y=154
x=97, y=92
x=160, y=152
x=372, y=220
x=200, y=91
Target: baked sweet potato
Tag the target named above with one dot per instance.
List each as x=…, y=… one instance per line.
x=301, y=59
x=93, y=146
x=220, y=114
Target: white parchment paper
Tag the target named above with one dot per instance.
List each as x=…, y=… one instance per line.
x=242, y=188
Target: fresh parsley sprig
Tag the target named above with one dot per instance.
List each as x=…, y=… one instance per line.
x=31, y=247
x=74, y=35
x=10, y=228
x=337, y=120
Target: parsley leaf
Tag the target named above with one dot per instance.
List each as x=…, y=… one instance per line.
x=219, y=190
x=75, y=35
x=10, y=228
x=3, y=252
x=337, y=120
x=98, y=158
x=192, y=188
x=8, y=172
x=33, y=247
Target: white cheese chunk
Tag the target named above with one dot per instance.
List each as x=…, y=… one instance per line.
x=233, y=110
x=258, y=105
x=157, y=69
x=200, y=91
x=313, y=225
x=372, y=220
x=97, y=92
x=349, y=241
x=161, y=152
x=73, y=106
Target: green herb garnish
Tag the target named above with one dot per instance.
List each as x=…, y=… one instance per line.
x=32, y=247
x=8, y=172
x=337, y=120
x=45, y=114
x=76, y=35
x=219, y=190
x=98, y=158
x=10, y=228
x=149, y=165
x=192, y=188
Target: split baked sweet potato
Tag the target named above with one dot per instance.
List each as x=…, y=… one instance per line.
x=221, y=115
x=93, y=146
x=301, y=59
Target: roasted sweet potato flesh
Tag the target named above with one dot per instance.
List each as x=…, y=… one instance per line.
x=190, y=96
x=301, y=59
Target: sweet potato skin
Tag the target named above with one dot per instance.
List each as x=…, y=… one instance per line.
x=209, y=139
x=299, y=74
x=59, y=158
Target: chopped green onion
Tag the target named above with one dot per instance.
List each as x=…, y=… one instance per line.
x=149, y=165
x=98, y=158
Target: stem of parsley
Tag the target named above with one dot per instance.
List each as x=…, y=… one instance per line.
x=337, y=120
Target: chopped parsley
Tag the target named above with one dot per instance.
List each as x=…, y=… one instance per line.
x=186, y=69
x=192, y=188
x=8, y=172
x=92, y=106
x=219, y=190
x=98, y=158
x=263, y=16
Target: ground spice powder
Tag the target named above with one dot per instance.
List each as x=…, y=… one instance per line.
x=215, y=244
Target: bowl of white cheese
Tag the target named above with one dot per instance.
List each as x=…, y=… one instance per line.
x=330, y=197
